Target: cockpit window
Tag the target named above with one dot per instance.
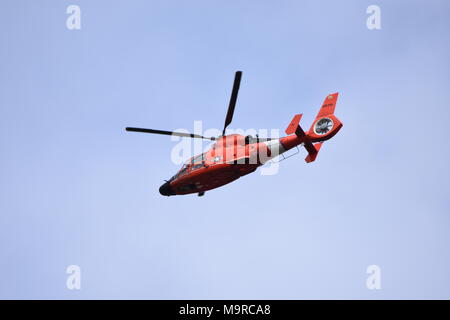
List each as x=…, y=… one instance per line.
x=183, y=171
x=196, y=162
x=196, y=166
x=197, y=159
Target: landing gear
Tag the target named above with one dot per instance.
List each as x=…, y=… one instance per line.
x=201, y=193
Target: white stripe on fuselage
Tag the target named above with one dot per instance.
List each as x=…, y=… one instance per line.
x=275, y=147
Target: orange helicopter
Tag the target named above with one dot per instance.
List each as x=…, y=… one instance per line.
x=233, y=156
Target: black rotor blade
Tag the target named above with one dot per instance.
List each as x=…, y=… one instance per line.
x=234, y=94
x=169, y=133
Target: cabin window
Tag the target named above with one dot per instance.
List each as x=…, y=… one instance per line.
x=196, y=166
x=198, y=158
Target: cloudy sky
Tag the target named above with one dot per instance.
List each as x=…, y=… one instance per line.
x=76, y=189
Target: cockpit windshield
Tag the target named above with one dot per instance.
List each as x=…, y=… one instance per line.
x=194, y=163
x=197, y=159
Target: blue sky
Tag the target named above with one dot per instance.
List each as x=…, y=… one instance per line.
x=76, y=189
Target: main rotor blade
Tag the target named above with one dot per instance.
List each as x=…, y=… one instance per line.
x=169, y=133
x=234, y=94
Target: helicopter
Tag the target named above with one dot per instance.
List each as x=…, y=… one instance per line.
x=233, y=156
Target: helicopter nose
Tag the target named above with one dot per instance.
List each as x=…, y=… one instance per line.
x=166, y=190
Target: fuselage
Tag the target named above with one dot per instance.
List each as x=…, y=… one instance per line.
x=230, y=158
x=233, y=156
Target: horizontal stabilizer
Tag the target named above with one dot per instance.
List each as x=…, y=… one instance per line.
x=292, y=127
x=313, y=150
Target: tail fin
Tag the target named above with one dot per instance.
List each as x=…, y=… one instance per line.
x=326, y=124
x=324, y=127
x=328, y=106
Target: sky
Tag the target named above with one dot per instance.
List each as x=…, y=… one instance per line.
x=76, y=189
